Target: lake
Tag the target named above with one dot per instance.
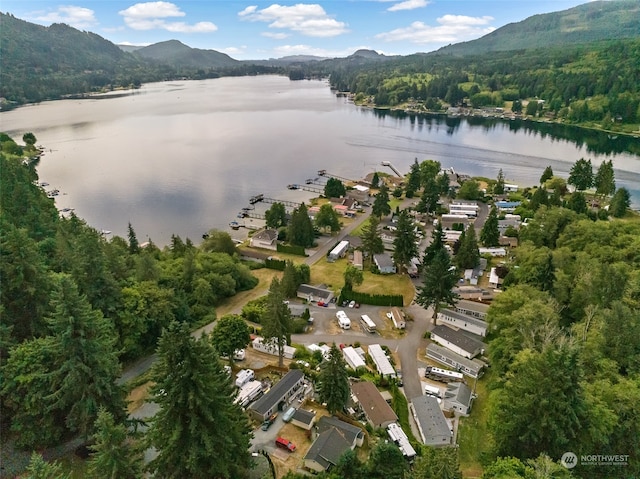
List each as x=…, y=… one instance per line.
x=184, y=157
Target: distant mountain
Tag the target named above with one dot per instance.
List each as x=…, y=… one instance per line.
x=366, y=54
x=591, y=22
x=176, y=53
x=130, y=48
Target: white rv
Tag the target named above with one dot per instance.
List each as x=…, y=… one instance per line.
x=343, y=320
x=244, y=376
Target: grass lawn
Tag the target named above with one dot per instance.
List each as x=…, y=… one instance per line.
x=473, y=436
x=235, y=303
x=332, y=274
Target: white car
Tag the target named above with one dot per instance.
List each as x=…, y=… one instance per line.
x=352, y=304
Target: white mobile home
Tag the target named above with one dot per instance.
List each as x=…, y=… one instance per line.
x=269, y=347
x=463, y=321
x=352, y=358
x=397, y=317
x=380, y=359
x=339, y=251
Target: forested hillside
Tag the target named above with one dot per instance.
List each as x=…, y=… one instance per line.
x=62, y=280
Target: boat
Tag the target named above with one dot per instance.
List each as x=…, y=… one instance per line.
x=105, y=232
x=234, y=225
x=292, y=186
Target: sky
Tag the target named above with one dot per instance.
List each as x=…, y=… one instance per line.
x=252, y=30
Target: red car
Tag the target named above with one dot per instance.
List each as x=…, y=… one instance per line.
x=285, y=444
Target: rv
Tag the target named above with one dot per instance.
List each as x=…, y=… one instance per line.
x=443, y=375
x=343, y=320
x=244, y=376
x=249, y=392
x=432, y=391
x=367, y=324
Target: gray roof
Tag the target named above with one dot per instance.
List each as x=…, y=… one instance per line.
x=453, y=359
x=464, y=317
x=266, y=235
x=318, y=292
x=328, y=447
x=462, y=341
x=432, y=422
x=277, y=392
x=303, y=416
x=384, y=260
x=350, y=432
x=458, y=392
x=475, y=306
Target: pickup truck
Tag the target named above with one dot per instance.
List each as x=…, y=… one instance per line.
x=269, y=421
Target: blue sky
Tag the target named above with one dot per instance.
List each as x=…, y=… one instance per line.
x=251, y=29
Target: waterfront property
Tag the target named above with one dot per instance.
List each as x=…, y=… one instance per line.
x=266, y=238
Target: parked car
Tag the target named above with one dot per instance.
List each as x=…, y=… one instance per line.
x=285, y=444
x=345, y=303
x=357, y=305
x=287, y=416
x=352, y=304
x=269, y=421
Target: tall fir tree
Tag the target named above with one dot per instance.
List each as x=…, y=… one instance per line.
x=134, y=246
x=437, y=244
x=300, y=230
x=468, y=255
x=546, y=175
x=333, y=381
x=371, y=241
x=498, y=188
x=277, y=324
x=404, y=244
x=604, y=180
x=581, y=174
x=490, y=234
x=381, y=205
x=439, y=277
x=198, y=431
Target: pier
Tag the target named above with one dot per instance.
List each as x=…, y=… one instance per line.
x=392, y=168
x=263, y=199
x=330, y=175
x=307, y=187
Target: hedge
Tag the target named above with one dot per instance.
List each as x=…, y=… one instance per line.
x=373, y=299
x=277, y=264
x=291, y=249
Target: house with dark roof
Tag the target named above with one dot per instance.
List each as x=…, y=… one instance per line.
x=303, y=419
x=457, y=398
x=277, y=398
x=375, y=408
x=266, y=238
x=433, y=426
x=314, y=293
x=472, y=308
x=457, y=341
x=334, y=438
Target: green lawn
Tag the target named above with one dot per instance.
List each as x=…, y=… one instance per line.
x=473, y=435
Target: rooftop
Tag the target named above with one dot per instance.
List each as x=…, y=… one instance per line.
x=275, y=394
x=457, y=338
x=373, y=404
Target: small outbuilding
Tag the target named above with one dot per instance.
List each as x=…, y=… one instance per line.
x=304, y=419
x=458, y=398
x=385, y=263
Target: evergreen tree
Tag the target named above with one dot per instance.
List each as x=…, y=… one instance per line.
x=442, y=181
x=490, y=234
x=230, y=333
x=387, y=462
x=381, y=205
x=604, y=181
x=430, y=197
x=327, y=217
x=134, y=246
x=581, y=174
x=620, y=203
x=38, y=468
x=468, y=255
x=546, y=175
x=437, y=463
x=540, y=197
x=375, y=180
x=414, y=180
x=498, y=188
x=29, y=139
x=352, y=277
x=439, y=277
x=429, y=169
x=404, y=244
x=370, y=234
x=277, y=324
x=115, y=455
x=334, y=188
x=577, y=202
x=289, y=281
x=437, y=244
x=87, y=366
x=333, y=381
x=276, y=216
x=198, y=431
x=300, y=230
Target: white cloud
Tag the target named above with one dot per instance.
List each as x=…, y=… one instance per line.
x=233, y=51
x=77, y=17
x=408, y=5
x=152, y=15
x=307, y=19
x=452, y=29
x=275, y=36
